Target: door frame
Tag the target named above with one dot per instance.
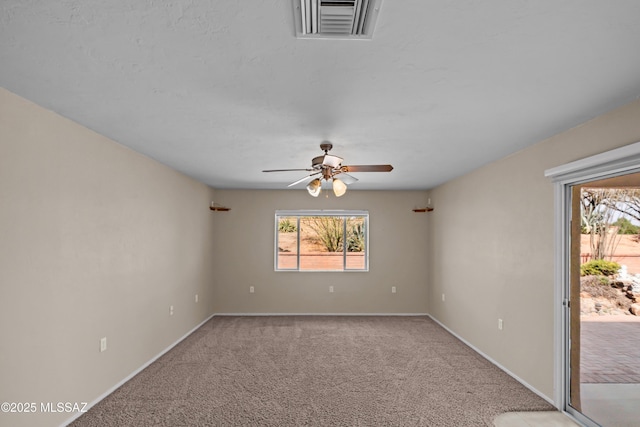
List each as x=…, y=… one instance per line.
x=611, y=163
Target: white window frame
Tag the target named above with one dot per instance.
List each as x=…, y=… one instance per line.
x=333, y=213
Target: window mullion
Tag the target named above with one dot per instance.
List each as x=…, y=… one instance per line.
x=344, y=242
x=298, y=244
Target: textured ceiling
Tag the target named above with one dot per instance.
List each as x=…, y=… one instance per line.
x=222, y=89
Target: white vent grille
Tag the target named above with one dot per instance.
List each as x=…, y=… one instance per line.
x=344, y=19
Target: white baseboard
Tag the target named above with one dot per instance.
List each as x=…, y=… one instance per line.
x=321, y=314
x=511, y=374
x=136, y=372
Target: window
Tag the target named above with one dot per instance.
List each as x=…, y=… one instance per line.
x=322, y=241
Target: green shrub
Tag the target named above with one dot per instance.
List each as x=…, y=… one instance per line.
x=286, y=226
x=599, y=267
x=328, y=230
x=626, y=227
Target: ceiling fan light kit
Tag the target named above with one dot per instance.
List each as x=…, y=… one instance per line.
x=327, y=167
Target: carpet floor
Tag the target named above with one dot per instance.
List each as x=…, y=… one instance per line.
x=316, y=371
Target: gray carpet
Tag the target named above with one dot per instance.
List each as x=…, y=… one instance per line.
x=316, y=371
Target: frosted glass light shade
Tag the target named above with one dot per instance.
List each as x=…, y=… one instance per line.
x=339, y=187
x=314, y=188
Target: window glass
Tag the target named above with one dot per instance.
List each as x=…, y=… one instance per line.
x=287, y=243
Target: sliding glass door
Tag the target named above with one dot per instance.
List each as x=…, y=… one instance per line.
x=604, y=292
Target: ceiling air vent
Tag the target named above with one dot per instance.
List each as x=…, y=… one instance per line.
x=339, y=19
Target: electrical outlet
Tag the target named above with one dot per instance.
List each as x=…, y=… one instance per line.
x=251, y=289
x=170, y=310
x=196, y=297
x=330, y=289
x=500, y=324
x=103, y=344
x=442, y=297
x=393, y=289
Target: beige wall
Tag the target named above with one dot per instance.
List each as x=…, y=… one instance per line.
x=491, y=247
x=95, y=241
x=245, y=251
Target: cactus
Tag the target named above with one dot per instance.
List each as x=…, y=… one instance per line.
x=355, y=238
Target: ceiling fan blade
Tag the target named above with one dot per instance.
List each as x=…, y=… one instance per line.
x=287, y=170
x=346, y=178
x=332, y=161
x=367, y=168
x=306, y=178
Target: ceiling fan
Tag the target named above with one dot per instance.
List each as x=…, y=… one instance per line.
x=330, y=168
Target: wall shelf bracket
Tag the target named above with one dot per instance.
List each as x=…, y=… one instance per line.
x=218, y=208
